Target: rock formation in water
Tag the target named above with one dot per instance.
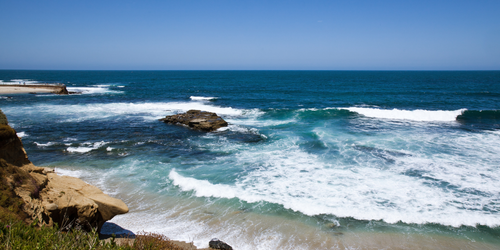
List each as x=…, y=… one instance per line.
x=196, y=119
x=48, y=197
x=63, y=91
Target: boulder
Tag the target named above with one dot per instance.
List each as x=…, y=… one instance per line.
x=217, y=244
x=71, y=202
x=197, y=119
x=67, y=201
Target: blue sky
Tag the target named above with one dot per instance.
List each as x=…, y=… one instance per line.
x=250, y=35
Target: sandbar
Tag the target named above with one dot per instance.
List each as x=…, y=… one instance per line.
x=35, y=89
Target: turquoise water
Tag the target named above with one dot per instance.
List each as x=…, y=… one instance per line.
x=310, y=160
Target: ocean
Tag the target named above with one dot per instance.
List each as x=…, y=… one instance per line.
x=310, y=159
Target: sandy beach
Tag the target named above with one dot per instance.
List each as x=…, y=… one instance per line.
x=36, y=89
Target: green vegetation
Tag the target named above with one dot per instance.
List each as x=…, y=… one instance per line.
x=18, y=235
x=152, y=241
x=10, y=203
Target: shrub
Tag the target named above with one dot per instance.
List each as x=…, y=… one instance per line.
x=153, y=241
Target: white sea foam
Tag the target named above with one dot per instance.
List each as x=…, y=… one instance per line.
x=201, y=187
x=21, y=134
x=98, y=89
x=87, y=147
x=149, y=110
x=367, y=190
x=19, y=81
x=413, y=115
x=67, y=172
x=495, y=132
x=240, y=129
x=202, y=98
x=45, y=144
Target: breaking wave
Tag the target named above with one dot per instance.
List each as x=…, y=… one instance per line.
x=413, y=115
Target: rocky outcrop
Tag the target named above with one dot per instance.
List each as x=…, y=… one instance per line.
x=196, y=119
x=62, y=91
x=48, y=197
x=11, y=147
x=68, y=201
x=218, y=244
x=3, y=119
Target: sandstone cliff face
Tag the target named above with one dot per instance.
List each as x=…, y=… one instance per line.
x=50, y=198
x=68, y=201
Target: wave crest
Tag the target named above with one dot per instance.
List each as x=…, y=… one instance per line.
x=413, y=115
x=202, y=98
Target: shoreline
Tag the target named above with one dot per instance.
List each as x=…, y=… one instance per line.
x=32, y=89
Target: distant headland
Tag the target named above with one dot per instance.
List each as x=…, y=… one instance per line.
x=33, y=89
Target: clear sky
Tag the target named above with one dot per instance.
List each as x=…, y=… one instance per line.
x=250, y=35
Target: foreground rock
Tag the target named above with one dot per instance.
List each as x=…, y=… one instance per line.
x=196, y=119
x=217, y=244
x=68, y=201
x=48, y=197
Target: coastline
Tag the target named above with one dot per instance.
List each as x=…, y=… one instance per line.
x=280, y=176
x=32, y=89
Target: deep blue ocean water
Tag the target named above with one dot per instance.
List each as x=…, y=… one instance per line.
x=310, y=160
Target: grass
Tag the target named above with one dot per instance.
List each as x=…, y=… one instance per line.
x=20, y=236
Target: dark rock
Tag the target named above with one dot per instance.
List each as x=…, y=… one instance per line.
x=62, y=91
x=11, y=147
x=3, y=118
x=196, y=119
x=217, y=244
